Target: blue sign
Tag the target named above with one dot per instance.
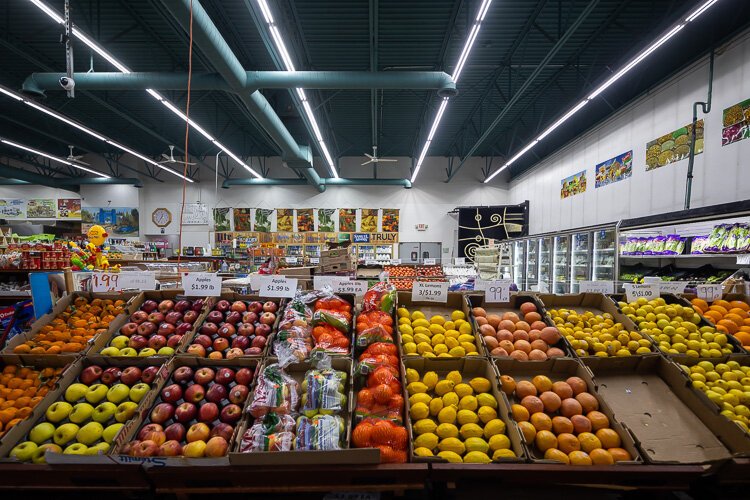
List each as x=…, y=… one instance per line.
x=361, y=238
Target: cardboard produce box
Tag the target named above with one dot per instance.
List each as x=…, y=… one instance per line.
x=512, y=306
x=469, y=369
x=345, y=455
x=338, y=267
x=560, y=369
x=335, y=253
x=670, y=421
x=455, y=302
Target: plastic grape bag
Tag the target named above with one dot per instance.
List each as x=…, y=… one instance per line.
x=323, y=388
x=272, y=432
x=275, y=392
x=322, y=432
x=380, y=297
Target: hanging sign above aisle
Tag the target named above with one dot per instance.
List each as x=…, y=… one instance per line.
x=596, y=287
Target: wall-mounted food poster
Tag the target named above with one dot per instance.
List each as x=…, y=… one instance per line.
x=285, y=220
x=305, y=220
x=573, y=185
x=736, y=122
x=12, y=209
x=41, y=208
x=69, y=208
x=222, y=219
x=263, y=220
x=347, y=220
x=390, y=220
x=117, y=221
x=243, y=220
x=674, y=147
x=369, y=222
x=326, y=224
x=615, y=169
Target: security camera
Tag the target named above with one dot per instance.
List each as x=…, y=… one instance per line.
x=67, y=83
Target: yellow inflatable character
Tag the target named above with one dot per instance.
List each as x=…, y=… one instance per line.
x=97, y=236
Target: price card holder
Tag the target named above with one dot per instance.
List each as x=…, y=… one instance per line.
x=201, y=284
x=634, y=291
x=321, y=281
x=709, y=293
x=277, y=286
x=459, y=261
x=395, y=262
x=497, y=291
x=648, y=280
x=314, y=260
x=356, y=287
x=480, y=285
x=743, y=260
x=672, y=286
x=291, y=260
x=371, y=262
x=429, y=262
x=105, y=282
x=429, y=291
x=596, y=286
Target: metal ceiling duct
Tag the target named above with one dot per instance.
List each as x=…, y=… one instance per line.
x=406, y=183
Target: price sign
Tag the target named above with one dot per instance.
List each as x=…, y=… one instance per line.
x=709, y=293
x=395, y=262
x=480, y=284
x=672, y=286
x=321, y=281
x=429, y=291
x=596, y=287
x=371, y=262
x=647, y=280
x=277, y=286
x=497, y=291
x=291, y=260
x=105, y=282
x=201, y=284
x=743, y=260
x=634, y=291
x=314, y=260
x=429, y=262
x=460, y=261
x=357, y=287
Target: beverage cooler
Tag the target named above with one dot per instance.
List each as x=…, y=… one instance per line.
x=545, y=264
x=604, y=255
x=561, y=264
x=580, y=259
x=532, y=264
x=519, y=260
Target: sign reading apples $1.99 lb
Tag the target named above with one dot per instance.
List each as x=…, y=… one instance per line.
x=277, y=286
x=201, y=284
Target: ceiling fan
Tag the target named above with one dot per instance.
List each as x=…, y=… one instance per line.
x=170, y=158
x=75, y=158
x=373, y=158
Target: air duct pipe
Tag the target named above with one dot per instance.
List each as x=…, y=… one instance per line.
x=406, y=183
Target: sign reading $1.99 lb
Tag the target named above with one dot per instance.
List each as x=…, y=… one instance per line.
x=277, y=286
x=201, y=284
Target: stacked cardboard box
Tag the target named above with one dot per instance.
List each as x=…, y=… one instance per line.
x=336, y=260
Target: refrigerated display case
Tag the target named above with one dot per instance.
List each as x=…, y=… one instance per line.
x=580, y=259
x=545, y=263
x=603, y=261
x=561, y=264
x=519, y=258
x=532, y=263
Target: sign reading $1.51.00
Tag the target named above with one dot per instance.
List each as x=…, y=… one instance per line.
x=634, y=291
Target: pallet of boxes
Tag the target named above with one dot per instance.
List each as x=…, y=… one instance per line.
x=336, y=260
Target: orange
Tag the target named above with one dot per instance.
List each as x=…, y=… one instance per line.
x=619, y=454
x=579, y=458
x=528, y=431
x=545, y=440
x=740, y=305
x=23, y=412
x=557, y=456
x=589, y=441
x=399, y=437
x=739, y=312
x=541, y=422
x=718, y=309
x=730, y=326
x=567, y=442
x=520, y=413
x=598, y=420
x=601, y=457
x=734, y=318
x=700, y=304
x=609, y=438
x=382, y=433
x=722, y=303
x=562, y=425
x=714, y=316
x=743, y=336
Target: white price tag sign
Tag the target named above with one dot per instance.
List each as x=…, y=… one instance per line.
x=647, y=280
x=201, y=284
x=370, y=262
x=291, y=260
x=429, y=291
x=596, y=287
x=743, y=260
x=480, y=284
x=709, y=293
x=277, y=286
x=321, y=281
x=646, y=291
x=429, y=262
x=105, y=282
x=357, y=287
x=395, y=262
x=497, y=291
x=314, y=260
x=672, y=286
x=459, y=261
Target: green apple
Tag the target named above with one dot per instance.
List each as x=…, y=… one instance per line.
x=42, y=432
x=146, y=352
x=99, y=449
x=58, y=411
x=24, y=451
x=128, y=351
x=65, y=434
x=139, y=391
x=118, y=393
x=90, y=433
x=104, y=412
x=81, y=413
x=75, y=392
x=111, y=351
x=96, y=393
x=125, y=411
x=120, y=342
x=39, y=454
x=110, y=432
x=76, y=449
x=166, y=351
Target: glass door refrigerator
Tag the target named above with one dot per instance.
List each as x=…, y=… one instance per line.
x=545, y=265
x=561, y=264
x=580, y=260
x=532, y=263
x=604, y=255
x=519, y=258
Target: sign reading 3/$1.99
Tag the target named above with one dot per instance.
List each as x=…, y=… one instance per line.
x=429, y=291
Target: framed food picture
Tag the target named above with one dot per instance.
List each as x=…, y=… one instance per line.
x=673, y=147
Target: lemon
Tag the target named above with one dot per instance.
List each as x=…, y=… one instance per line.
x=453, y=334
x=468, y=403
x=503, y=453
x=405, y=339
x=423, y=348
x=465, y=329
x=467, y=417
x=450, y=399
x=457, y=352
x=406, y=329
x=450, y=342
x=430, y=379
x=446, y=431
x=412, y=375
x=447, y=415
x=456, y=315
x=480, y=384
x=419, y=411
x=449, y=325
x=427, y=440
x=437, y=320
x=424, y=331
x=477, y=457
x=444, y=387
x=417, y=315
x=440, y=349
x=476, y=444
x=416, y=387
x=499, y=442
x=450, y=457
x=419, y=397
x=420, y=322
x=486, y=414
x=437, y=329
x=452, y=444
x=420, y=338
x=404, y=321
x=471, y=430
x=438, y=339
x=410, y=348
x=487, y=400
x=424, y=426
x=463, y=390
x=402, y=312
x=423, y=452
x=436, y=404
x=494, y=427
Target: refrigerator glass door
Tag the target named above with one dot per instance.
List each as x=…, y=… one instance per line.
x=561, y=264
x=519, y=258
x=580, y=262
x=532, y=263
x=545, y=264
x=604, y=255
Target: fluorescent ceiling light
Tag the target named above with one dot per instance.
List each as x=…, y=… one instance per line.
x=124, y=69
x=289, y=66
x=53, y=158
x=604, y=86
x=473, y=34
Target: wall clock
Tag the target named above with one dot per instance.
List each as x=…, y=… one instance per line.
x=161, y=217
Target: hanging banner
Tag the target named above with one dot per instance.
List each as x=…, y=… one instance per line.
x=674, y=147
x=325, y=220
x=369, y=222
x=243, y=219
x=347, y=220
x=117, y=221
x=263, y=220
x=390, y=220
x=285, y=220
x=41, y=208
x=222, y=221
x=573, y=185
x=736, y=123
x=12, y=209
x=614, y=170
x=305, y=220
x=69, y=208
x=195, y=214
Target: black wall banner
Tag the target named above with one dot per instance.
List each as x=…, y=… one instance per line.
x=478, y=225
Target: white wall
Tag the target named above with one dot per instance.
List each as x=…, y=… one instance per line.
x=721, y=173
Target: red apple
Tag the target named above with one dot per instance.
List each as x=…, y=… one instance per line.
x=90, y=375
x=217, y=446
x=255, y=307
x=234, y=352
x=240, y=342
x=186, y=412
x=246, y=329
x=216, y=355
x=224, y=376
x=156, y=317
x=208, y=412
x=244, y=376
x=195, y=393
x=198, y=305
x=149, y=306
x=166, y=329
x=259, y=341
x=146, y=328
x=139, y=317
x=268, y=318
x=250, y=317
x=149, y=374
x=128, y=448
x=157, y=437
x=220, y=344
x=171, y=393
x=233, y=317
x=238, y=306
x=175, y=431
x=222, y=305
x=129, y=329
x=197, y=350
x=138, y=341
x=131, y=375
x=253, y=351
x=182, y=305
x=157, y=342
x=171, y=448
x=198, y=432
x=216, y=317
x=227, y=330
x=173, y=317
x=224, y=430
x=173, y=341
x=238, y=394
x=190, y=316
x=203, y=340
x=145, y=449
x=162, y=412
x=183, y=328
x=216, y=393
x=111, y=375
x=263, y=329
x=204, y=376
x=231, y=413
x=183, y=374
x=147, y=429
x=270, y=306
x=165, y=306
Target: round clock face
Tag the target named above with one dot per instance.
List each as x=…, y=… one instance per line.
x=161, y=217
